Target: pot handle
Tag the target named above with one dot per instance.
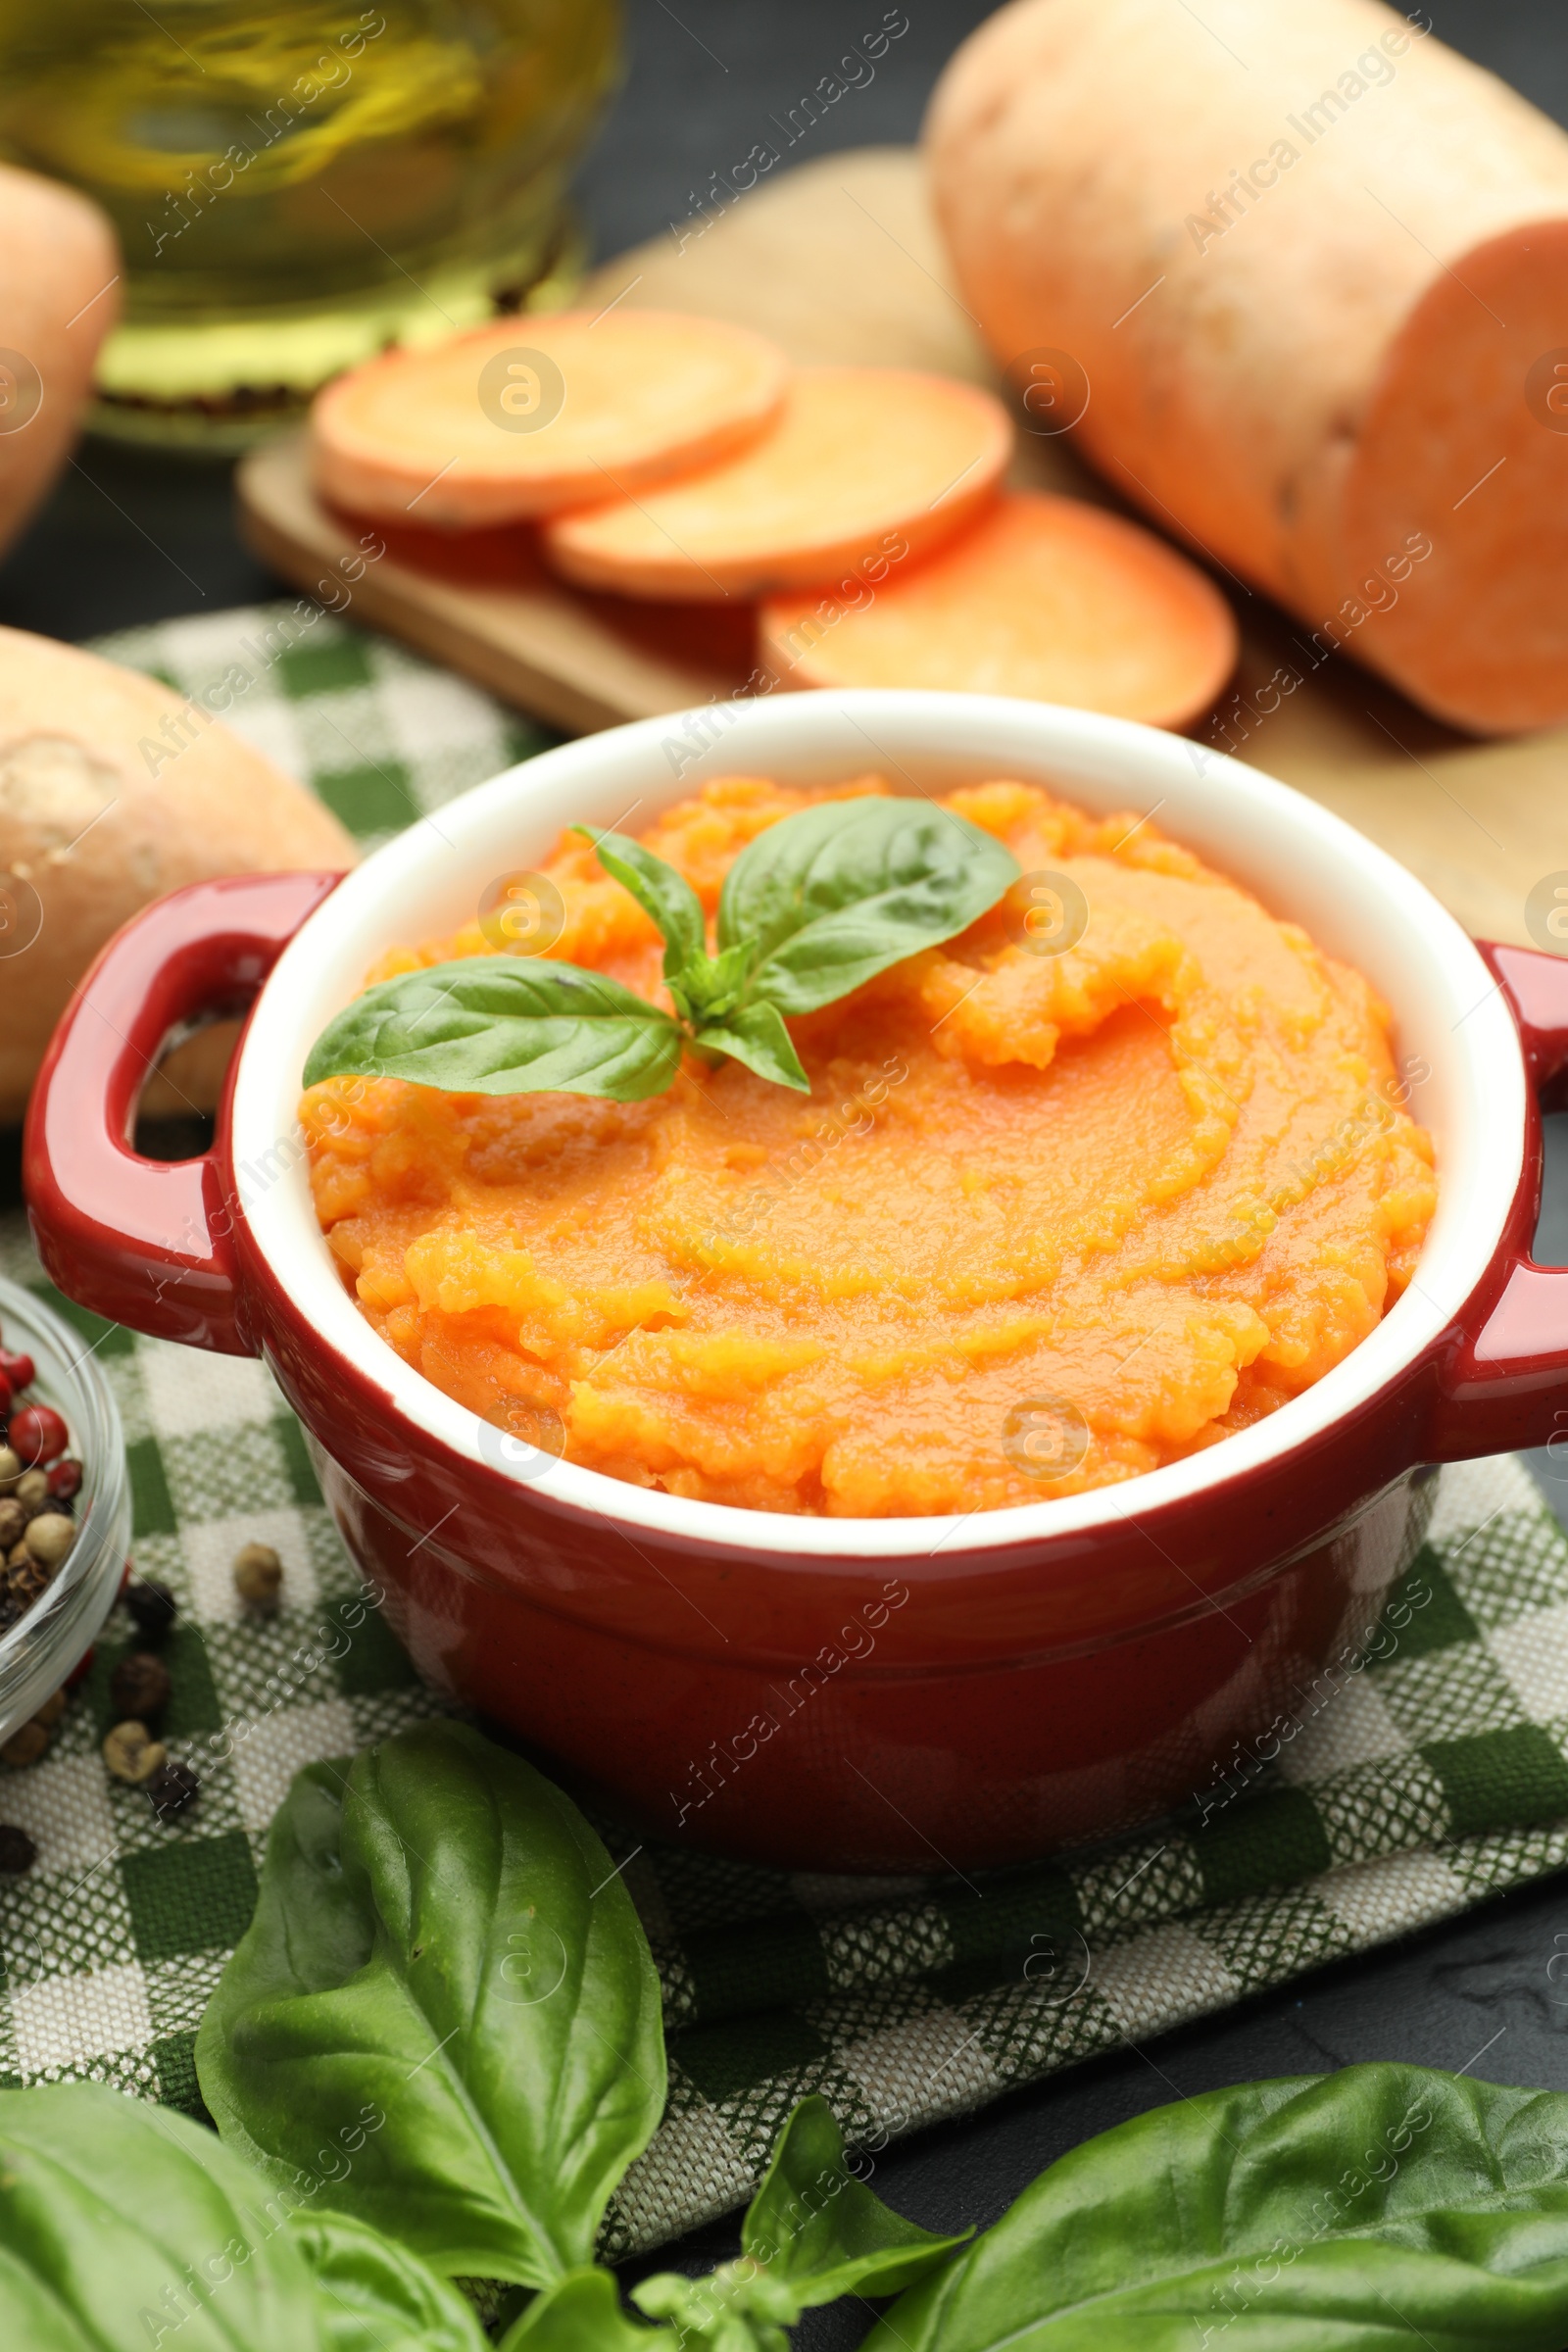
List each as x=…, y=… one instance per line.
x=1506, y=1385
x=144, y=1242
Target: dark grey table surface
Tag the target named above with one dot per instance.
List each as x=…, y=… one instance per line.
x=129, y=538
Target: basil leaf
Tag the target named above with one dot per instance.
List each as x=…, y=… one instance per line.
x=758, y=1038
x=121, y=2223
x=659, y=891
x=818, y=2229
x=445, y=1976
x=582, y=2313
x=498, y=1025
x=374, y=2296
x=835, y=894
x=1357, y=2212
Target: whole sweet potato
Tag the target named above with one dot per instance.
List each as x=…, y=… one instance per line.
x=112, y=792
x=1315, y=266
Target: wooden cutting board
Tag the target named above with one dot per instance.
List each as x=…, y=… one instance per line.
x=839, y=259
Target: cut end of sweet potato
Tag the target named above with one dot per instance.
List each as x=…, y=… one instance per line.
x=535, y=415
x=1456, y=503
x=863, y=463
x=1046, y=598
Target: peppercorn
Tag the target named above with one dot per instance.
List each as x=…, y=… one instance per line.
x=9, y=1469
x=50, y=1712
x=16, y=1849
x=172, y=1787
x=26, y=1576
x=153, y=1608
x=19, y=1369
x=139, y=1686
x=50, y=1537
x=258, y=1576
x=26, y=1743
x=65, y=1479
x=33, y=1490
x=132, y=1755
x=13, y=1519
x=38, y=1433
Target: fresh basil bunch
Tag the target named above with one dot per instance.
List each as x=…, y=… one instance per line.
x=815, y=907
x=443, y=1947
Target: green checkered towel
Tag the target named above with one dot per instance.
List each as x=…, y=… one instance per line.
x=1426, y=1773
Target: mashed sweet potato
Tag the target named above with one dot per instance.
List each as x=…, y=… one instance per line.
x=1049, y=1219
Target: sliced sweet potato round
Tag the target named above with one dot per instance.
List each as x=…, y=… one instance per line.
x=1046, y=598
x=863, y=463
x=533, y=415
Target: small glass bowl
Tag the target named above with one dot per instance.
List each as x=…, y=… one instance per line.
x=43, y=1648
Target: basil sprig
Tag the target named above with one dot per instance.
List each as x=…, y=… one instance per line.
x=444, y=2020
x=815, y=907
x=813, y=2234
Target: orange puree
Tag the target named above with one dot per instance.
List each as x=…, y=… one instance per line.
x=1046, y=1221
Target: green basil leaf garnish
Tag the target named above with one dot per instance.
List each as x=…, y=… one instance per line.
x=834, y=895
x=821, y=2230
x=582, y=2313
x=659, y=891
x=374, y=2296
x=441, y=1940
x=119, y=2219
x=758, y=1038
x=812, y=907
x=1362, y=2210
x=503, y=1025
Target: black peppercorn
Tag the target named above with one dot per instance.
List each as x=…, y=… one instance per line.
x=16, y=1849
x=172, y=1787
x=153, y=1608
x=139, y=1686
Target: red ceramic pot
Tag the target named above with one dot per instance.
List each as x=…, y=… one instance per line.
x=842, y=1695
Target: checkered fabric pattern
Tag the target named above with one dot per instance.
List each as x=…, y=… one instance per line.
x=382, y=736
x=1434, y=1776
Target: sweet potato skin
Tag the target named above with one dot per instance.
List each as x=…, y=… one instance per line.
x=1229, y=224
x=59, y=297
x=113, y=793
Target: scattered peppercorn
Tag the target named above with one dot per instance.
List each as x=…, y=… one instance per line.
x=9, y=1470
x=132, y=1755
x=26, y=1576
x=26, y=1743
x=153, y=1608
x=33, y=1490
x=65, y=1479
x=16, y=1849
x=50, y=1712
x=50, y=1537
x=172, y=1787
x=19, y=1369
x=37, y=1433
x=258, y=1576
x=139, y=1686
x=13, y=1519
